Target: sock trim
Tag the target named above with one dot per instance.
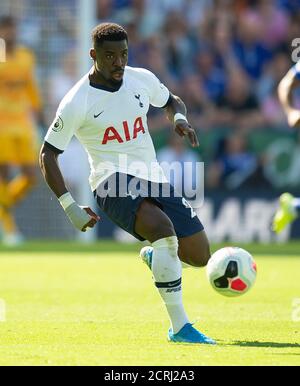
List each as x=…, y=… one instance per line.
x=170, y=284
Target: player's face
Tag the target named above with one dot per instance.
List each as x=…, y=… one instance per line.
x=111, y=59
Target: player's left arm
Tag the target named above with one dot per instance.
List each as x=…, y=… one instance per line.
x=176, y=113
x=286, y=87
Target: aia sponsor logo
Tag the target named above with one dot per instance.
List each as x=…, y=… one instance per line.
x=121, y=136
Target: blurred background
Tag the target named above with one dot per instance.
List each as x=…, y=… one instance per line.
x=224, y=58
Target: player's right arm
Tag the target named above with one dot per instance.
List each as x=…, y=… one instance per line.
x=56, y=141
x=81, y=218
x=285, y=94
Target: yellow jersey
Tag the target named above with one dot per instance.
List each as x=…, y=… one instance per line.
x=19, y=95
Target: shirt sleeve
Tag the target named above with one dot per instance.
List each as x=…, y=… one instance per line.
x=158, y=92
x=64, y=126
x=297, y=70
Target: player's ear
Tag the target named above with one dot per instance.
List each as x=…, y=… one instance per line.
x=93, y=54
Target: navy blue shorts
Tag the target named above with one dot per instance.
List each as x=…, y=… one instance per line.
x=121, y=204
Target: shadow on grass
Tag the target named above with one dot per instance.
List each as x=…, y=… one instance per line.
x=286, y=354
x=265, y=344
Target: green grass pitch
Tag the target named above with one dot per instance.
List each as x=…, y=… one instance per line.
x=96, y=305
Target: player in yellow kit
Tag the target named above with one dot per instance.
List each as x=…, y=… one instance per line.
x=20, y=106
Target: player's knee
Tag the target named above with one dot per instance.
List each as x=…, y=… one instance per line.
x=204, y=253
x=205, y=257
x=198, y=261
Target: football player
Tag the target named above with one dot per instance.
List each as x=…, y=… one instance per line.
x=289, y=206
x=107, y=111
x=20, y=107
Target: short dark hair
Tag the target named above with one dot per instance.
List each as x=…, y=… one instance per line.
x=7, y=21
x=108, y=32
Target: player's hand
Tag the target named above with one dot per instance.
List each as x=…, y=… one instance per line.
x=82, y=218
x=184, y=129
x=294, y=118
x=94, y=219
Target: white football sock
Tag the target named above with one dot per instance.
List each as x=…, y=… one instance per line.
x=167, y=272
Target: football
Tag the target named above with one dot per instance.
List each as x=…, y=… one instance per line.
x=231, y=271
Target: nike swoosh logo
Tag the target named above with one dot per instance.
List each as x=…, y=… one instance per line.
x=96, y=116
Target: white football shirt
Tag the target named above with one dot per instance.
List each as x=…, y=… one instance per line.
x=112, y=126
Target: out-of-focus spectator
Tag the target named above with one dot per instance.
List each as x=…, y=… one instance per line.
x=288, y=5
x=212, y=42
x=20, y=111
x=273, y=75
x=201, y=110
x=275, y=23
x=105, y=9
x=213, y=77
x=61, y=81
x=250, y=49
x=267, y=91
x=239, y=107
x=138, y=47
x=293, y=32
x=225, y=58
x=234, y=164
x=179, y=46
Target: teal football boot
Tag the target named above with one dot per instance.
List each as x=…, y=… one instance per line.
x=188, y=334
x=146, y=256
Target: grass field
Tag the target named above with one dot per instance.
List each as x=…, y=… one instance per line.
x=76, y=305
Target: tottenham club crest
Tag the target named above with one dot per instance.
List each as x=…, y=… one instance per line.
x=138, y=97
x=58, y=125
